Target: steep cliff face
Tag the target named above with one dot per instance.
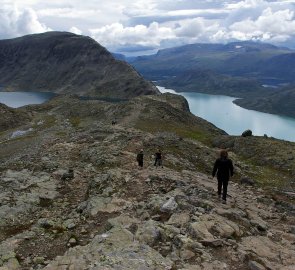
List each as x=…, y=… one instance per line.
x=67, y=63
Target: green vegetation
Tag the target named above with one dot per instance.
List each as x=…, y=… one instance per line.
x=75, y=121
x=154, y=126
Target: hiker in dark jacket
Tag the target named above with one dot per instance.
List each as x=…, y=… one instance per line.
x=224, y=168
x=158, y=158
x=139, y=158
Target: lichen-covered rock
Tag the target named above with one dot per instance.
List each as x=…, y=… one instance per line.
x=108, y=251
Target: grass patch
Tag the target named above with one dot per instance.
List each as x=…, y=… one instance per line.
x=75, y=121
x=154, y=126
x=268, y=177
x=43, y=122
x=61, y=133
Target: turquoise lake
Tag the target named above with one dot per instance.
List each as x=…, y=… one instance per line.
x=233, y=119
x=219, y=110
x=19, y=99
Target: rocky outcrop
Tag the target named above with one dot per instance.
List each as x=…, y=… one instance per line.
x=11, y=118
x=63, y=62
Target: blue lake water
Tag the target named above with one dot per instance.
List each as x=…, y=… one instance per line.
x=19, y=99
x=233, y=119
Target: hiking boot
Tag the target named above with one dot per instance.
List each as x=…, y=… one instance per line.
x=224, y=201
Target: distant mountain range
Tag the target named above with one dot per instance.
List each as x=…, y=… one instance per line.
x=239, y=69
x=258, y=61
x=66, y=63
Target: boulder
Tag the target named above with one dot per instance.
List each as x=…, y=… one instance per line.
x=247, y=133
x=169, y=206
x=247, y=181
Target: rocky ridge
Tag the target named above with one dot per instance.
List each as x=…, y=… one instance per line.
x=62, y=62
x=109, y=214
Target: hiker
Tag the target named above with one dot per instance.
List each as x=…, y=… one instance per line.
x=139, y=158
x=224, y=168
x=158, y=158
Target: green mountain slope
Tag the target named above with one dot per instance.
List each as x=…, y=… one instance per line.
x=206, y=81
x=247, y=59
x=282, y=102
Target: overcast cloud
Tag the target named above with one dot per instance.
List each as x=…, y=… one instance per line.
x=144, y=26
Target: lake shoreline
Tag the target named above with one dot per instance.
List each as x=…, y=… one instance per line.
x=234, y=119
x=244, y=102
x=17, y=99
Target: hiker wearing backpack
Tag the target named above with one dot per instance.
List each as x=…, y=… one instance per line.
x=224, y=168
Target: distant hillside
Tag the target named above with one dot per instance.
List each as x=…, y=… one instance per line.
x=206, y=81
x=280, y=67
x=237, y=69
x=282, y=102
x=246, y=59
x=63, y=62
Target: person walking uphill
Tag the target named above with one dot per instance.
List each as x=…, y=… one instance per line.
x=139, y=158
x=158, y=158
x=224, y=168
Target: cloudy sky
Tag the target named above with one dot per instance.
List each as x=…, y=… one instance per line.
x=144, y=26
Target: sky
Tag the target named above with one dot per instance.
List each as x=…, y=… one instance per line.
x=138, y=27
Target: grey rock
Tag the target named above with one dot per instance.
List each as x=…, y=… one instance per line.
x=186, y=254
x=179, y=219
x=69, y=224
x=255, y=266
x=68, y=175
x=149, y=233
x=72, y=241
x=169, y=206
x=212, y=242
x=260, y=224
x=247, y=181
x=81, y=207
x=46, y=223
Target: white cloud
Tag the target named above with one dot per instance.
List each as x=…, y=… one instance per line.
x=269, y=26
x=75, y=30
x=14, y=22
x=245, y=4
x=196, y=28
x=116, y=34
x=153, y=24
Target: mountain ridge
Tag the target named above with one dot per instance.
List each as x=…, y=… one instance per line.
x=239, y=69
x=66, y=63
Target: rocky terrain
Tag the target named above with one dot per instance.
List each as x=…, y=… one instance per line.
x=72, y=196
x=63, y=62
x=11, y=117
